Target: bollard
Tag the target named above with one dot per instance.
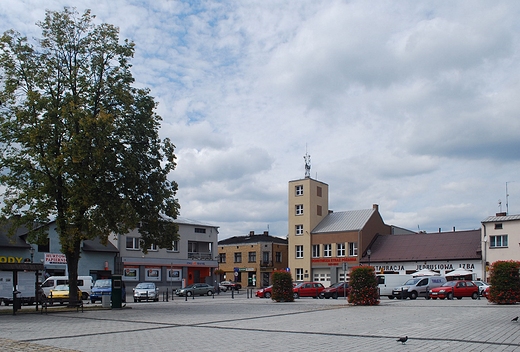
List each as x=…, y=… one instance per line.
x=232, y=293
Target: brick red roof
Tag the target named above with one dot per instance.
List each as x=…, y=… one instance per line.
x=426, y=246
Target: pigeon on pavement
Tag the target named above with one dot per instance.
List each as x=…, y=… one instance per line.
x=402, y=339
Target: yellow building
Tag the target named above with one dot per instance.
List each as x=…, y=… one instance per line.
x=323, y=243
x=250, y=260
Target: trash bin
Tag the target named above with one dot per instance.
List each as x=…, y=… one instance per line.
x=105, y=301
x=17, y=300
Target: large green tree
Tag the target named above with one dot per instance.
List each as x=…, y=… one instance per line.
x=79, y=144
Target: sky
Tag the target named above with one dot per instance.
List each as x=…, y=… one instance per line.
x=411, y=105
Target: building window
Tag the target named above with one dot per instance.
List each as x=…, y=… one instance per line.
x=299, y=190
x=238, y=257
x=175, y=247
x=299, y=209
x=498, y=226
x=299, y=251
x=340, y=249
x=497, y=241
x=299, y=274
x=265, y=257
x=318, y=210
x=352, y=249
x=318, y=191
x=132, y=243
x=327, y=250
x=252, y=257
x=278, y=257
x=200, y=230
x=222, y=257
x=299, y=230
x=153, y=247
x=315, y=250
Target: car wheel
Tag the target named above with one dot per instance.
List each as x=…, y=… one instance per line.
x=92, y=301
x=84, y=295
x=267, y=295
x=296, y=295
x=335, y=295
x=135, y=300
x=413, y=295
x=189, y=293
x=474, y=295
x=441, y=297
x=450, y=295
x=459, y=297
x=210, y=292
x=390, y=297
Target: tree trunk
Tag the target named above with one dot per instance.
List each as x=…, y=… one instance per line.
x=72, y=263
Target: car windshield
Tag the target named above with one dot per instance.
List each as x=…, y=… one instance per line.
x=412, y=281
x=144, y=285
x=61, y=288
x=103, y=283
x=450, y=283
x=338, y=284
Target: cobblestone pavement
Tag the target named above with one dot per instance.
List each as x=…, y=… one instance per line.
x=253, y=324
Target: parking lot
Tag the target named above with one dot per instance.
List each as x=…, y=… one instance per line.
x=254, y=324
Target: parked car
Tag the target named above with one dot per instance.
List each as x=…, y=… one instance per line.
x=104, y=287
x=455, y=289
x=195, y=289
x=146, y=291
x=230, y=285
x=340, y=289
x=60, y=294
x=418, y=287
x=308, y=289
x=265, y=292
x=481, y=286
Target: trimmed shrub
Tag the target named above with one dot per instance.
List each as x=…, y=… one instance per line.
x=363, y=286
x=282, y=287
x=505, y=282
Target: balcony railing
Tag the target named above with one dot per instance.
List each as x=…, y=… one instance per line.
x=200, y=255
x=266, y=264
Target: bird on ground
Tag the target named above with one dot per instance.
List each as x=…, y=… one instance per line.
x=514, y=319
x=402, y=339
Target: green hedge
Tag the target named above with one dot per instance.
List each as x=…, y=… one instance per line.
x=363, y=286
x=282, y=287
x=505, y=282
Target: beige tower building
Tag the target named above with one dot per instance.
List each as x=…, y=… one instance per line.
x=308, y=206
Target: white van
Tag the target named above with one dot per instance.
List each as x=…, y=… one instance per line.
x=84, y=284
x=387, y=282
x=418, y=287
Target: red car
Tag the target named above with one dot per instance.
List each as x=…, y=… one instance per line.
x=308, y=289
x=265, y=292
x=340, y=289
x=457, y=289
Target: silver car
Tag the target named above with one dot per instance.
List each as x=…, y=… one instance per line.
x=146, y=291
x=195, y=289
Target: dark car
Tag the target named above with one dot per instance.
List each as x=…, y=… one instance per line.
x=455, y=289
x=340, y=289
x=104, y=287
x=195, y=289
x=308, y=289
x=227, y=285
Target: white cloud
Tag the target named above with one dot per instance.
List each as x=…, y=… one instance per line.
x=411, y=105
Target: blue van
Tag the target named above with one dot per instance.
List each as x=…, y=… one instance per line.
x=104, y=287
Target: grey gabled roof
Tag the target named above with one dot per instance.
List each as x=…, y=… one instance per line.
x=353, y=220
x=186, y=221
x=501, y=218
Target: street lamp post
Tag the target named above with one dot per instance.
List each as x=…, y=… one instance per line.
x=369, y=252
x=32, y=253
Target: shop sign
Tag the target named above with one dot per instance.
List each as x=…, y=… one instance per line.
x=5, y=259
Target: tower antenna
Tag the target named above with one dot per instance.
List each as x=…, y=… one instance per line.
x=307, y=159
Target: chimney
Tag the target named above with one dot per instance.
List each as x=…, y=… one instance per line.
x=266, y=233
x=251, y=233
x=375, y=207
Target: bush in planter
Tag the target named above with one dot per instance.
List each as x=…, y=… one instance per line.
x=282, y=287
x=505, y=282
x=363, y=286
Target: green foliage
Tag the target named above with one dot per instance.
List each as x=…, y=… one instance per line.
x=282, y=287
x=78, y=143
x=505, y=282
x=363, y=286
